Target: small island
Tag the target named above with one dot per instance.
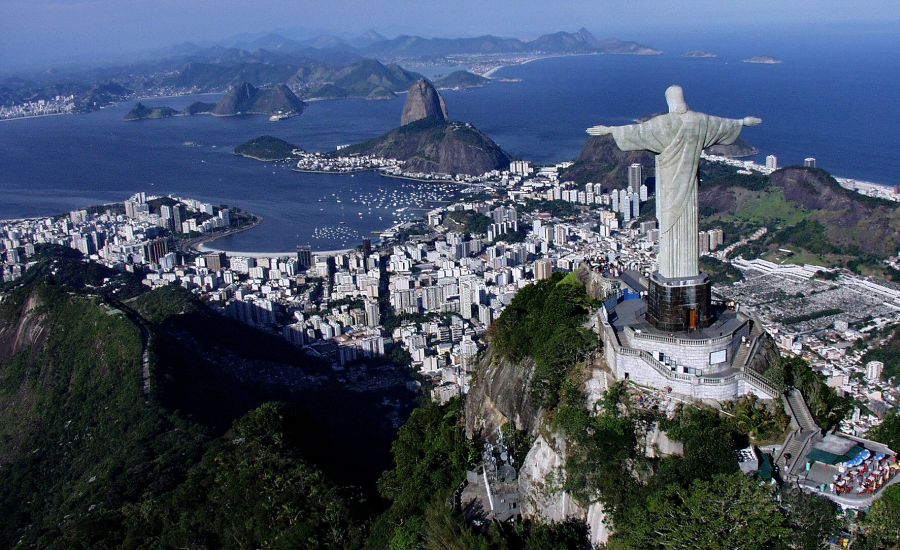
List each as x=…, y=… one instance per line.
x=763, y=60
x=142, y=112
x=459, y=80
x=266, y=149
x=701, y=54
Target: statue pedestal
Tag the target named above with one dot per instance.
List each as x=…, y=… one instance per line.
x=679, y=305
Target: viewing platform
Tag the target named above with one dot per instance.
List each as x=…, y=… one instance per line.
x=720, y=362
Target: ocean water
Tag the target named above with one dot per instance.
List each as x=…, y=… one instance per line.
x=842, y=107
x=837, y=105
x=54, y=164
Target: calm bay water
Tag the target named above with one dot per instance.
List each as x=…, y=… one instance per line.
x=840, y=107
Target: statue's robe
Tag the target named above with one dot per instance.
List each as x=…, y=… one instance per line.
x=677, y=139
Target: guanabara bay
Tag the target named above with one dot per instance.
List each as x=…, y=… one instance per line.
x=515, y=275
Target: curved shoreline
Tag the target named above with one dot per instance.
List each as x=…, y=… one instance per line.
x=490, y=73
x=334, y=172
x=230, y=253
x=422, y=180
x=197, y=244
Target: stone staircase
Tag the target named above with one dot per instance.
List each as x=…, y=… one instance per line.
x=793, y=446
x=740, y=358
x=802, y=438
x=799, y=411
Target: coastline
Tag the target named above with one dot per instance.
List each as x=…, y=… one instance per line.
x=36, y=116
x=203, y=249
x=423, y=180
x=490, y=73
x=197, y=244
x=851, y=184
x=172, y=96
x=334, y=172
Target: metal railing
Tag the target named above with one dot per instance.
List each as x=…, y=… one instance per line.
x=760, y=382
x=682, y=341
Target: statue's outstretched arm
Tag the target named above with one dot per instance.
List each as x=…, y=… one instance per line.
x=751, y=121
x=599, y=130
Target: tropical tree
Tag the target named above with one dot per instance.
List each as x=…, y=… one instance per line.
x=882, y=523
x=888, y=432
x=730, y=511
x=812, y=518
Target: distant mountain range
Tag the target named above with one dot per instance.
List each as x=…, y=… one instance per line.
x=411, y=46
x=373, y=44
x=368, y=79
x=241, y=99
x=324, y=67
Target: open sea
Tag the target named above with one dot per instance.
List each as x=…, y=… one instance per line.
x=839, y=104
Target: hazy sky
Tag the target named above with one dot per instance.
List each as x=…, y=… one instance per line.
x=39, y=31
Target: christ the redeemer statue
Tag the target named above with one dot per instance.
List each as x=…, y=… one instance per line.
x=677, y=138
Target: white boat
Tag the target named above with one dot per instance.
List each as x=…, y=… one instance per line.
x=280, y=116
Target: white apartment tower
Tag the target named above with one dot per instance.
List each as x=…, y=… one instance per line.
x=635, y=177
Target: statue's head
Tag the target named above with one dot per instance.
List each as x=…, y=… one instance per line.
x=675, y=99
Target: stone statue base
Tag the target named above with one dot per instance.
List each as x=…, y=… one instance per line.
x=679, y=305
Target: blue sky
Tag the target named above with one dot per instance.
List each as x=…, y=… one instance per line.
x=35, y=32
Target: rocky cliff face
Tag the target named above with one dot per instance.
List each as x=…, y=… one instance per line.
x=246, y=99
x=501, y=394
x=541, y=498
x=423, y=102
x=434, y=146
x=601, y=161
x=539, y=479
x=428, y=143
x=19, y=332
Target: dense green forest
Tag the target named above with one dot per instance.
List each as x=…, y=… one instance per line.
x=544, y=322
